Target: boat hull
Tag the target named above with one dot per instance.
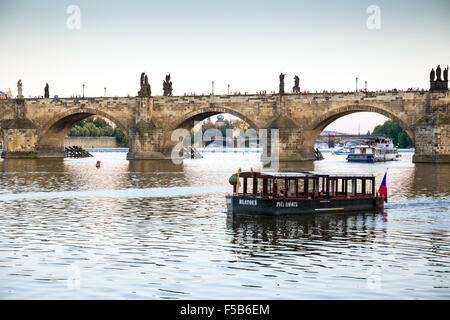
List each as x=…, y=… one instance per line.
x=360, y=158
x=369, y=158
x=259, y=206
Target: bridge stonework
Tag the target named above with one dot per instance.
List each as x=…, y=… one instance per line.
x=37, y=127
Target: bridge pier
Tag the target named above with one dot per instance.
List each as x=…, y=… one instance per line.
x=20, y=138
x=293, y=143
x=144, y=143
x=432, y=139
x=149, y=141
x=52, y=154
x=52, y=146
x=293, y=146
x=147, y=137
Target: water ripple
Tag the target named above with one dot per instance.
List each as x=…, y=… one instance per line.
x=137, y=230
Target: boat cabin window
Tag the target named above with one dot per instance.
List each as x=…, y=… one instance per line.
x=351, y=185
x=301, y=187
x=241, y=185
x=369, y=187
x=332, y=187
x=306, y=187
x=287, y=188
x=359, y=183
x=292, y=190
x=279, y=188
x=315, y=188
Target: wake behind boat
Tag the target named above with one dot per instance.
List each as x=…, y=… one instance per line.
x=278, y=193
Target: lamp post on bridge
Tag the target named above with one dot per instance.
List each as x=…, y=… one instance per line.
x=83, y=91
x=212, y=90
x=356, y=84
x=105, y=92
x=365, y=83
x=228, y=89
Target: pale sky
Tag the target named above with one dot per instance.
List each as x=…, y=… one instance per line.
x=242, y=43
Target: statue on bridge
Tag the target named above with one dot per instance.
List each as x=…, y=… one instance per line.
x=438, y=73
x=46, y=91
x=437, y=84
x=19, y=89
x=282, y=83
x=296, y=87
x=145, y=86
x=167, y=86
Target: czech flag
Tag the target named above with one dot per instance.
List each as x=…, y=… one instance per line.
x=383, y=188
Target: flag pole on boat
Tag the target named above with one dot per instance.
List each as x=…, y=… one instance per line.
x=382, y=191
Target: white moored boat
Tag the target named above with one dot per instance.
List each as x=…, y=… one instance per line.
x=374, y=150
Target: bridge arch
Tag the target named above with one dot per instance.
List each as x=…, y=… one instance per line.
x=52, y=134
x=323, y=121
x=187, y=120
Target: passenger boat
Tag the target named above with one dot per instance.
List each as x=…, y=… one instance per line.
x=374, y=150
x=276, y=193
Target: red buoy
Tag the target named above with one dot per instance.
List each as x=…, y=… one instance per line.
x=98, y=164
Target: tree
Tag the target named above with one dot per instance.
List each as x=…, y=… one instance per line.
x=91, y=127
x=75, y=132
x=99, y=122
x=108, y=131
x=392, y=130
x=120, y=137
x=85, y=132
x=404, y=141
x=98, y=127
x=96, y=132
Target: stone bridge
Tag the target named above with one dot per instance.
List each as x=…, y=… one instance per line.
x=37, y=127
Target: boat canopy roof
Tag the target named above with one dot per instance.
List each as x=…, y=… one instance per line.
x=362, y=146
x=302, y=174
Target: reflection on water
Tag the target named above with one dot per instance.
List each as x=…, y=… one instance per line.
x=430, y=180
x=297, y=166
x=354, y=227
x=145, y=229
x=154, y=166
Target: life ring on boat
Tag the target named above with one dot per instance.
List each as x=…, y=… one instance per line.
x=275, y=180
x=233, y=180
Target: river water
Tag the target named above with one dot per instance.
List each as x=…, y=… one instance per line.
x=155, y=230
